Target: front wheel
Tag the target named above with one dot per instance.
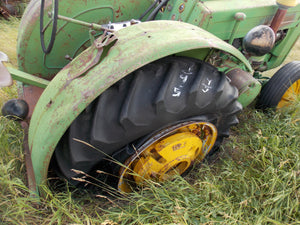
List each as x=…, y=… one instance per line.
x=282, y=89
x=170, y=112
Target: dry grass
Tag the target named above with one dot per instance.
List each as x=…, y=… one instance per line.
x=8, y=43
x=8, y=40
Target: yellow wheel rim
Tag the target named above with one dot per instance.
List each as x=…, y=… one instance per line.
x=290, y=96
x=287, y=3
x=168, y=153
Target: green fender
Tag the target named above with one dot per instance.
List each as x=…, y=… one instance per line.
x=70, y=92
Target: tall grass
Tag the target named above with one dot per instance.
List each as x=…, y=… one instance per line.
x=8, y=42
x=15, y=206
x=254, y=179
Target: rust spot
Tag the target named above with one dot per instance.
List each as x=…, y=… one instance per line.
x=206, y=14
x=28, y=163
x=31, y=95
x=49, y=104
x=278, y=19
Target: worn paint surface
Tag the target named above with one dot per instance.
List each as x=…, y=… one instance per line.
x=28, y=162
x=27, y=78
x=65, y=97
x=215, y=16
x=218, y=18
x=31, y=95
x=71, y=39
x=248, y=86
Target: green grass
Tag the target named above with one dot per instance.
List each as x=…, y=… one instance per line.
x=254, y=179
x=8, y=42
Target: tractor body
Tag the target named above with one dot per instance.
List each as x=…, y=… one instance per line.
x=100, y=43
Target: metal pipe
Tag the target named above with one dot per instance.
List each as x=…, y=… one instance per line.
x=240, y=16
x=79, y=22
x=277, y=20
x=28, y=78
x=155, y=11
x=283, y=5
x=248, y=86
x=148, y=10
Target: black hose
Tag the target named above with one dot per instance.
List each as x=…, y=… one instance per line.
x=155, y=11
x=48, y=49
x=148, y=10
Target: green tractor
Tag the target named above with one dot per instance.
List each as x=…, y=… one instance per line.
x=142, y=89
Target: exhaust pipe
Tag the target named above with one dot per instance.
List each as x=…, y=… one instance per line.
x=283, y=5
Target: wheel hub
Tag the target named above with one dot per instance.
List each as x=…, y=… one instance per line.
x=290, y=95
x=169, y=152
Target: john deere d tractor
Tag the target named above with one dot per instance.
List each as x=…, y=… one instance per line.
x=143, y=89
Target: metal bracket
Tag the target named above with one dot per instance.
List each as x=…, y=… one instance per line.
x=91, y=58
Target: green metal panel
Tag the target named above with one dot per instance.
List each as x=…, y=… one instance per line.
x=217, y=16
x=71, y=39
x=28, y=78
x=67, y=95
x=249, y=96
x=282, y=49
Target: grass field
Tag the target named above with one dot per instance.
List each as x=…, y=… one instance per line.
x=254, y=179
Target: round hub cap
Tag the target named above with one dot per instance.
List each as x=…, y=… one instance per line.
x=169, y=152
x=290, y=95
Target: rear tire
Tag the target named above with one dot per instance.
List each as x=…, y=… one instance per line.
x=277, y=93
x=160, y=94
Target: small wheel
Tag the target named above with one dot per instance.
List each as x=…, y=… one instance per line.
x=282, y=89
x=53, y=20
x=173, y=111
